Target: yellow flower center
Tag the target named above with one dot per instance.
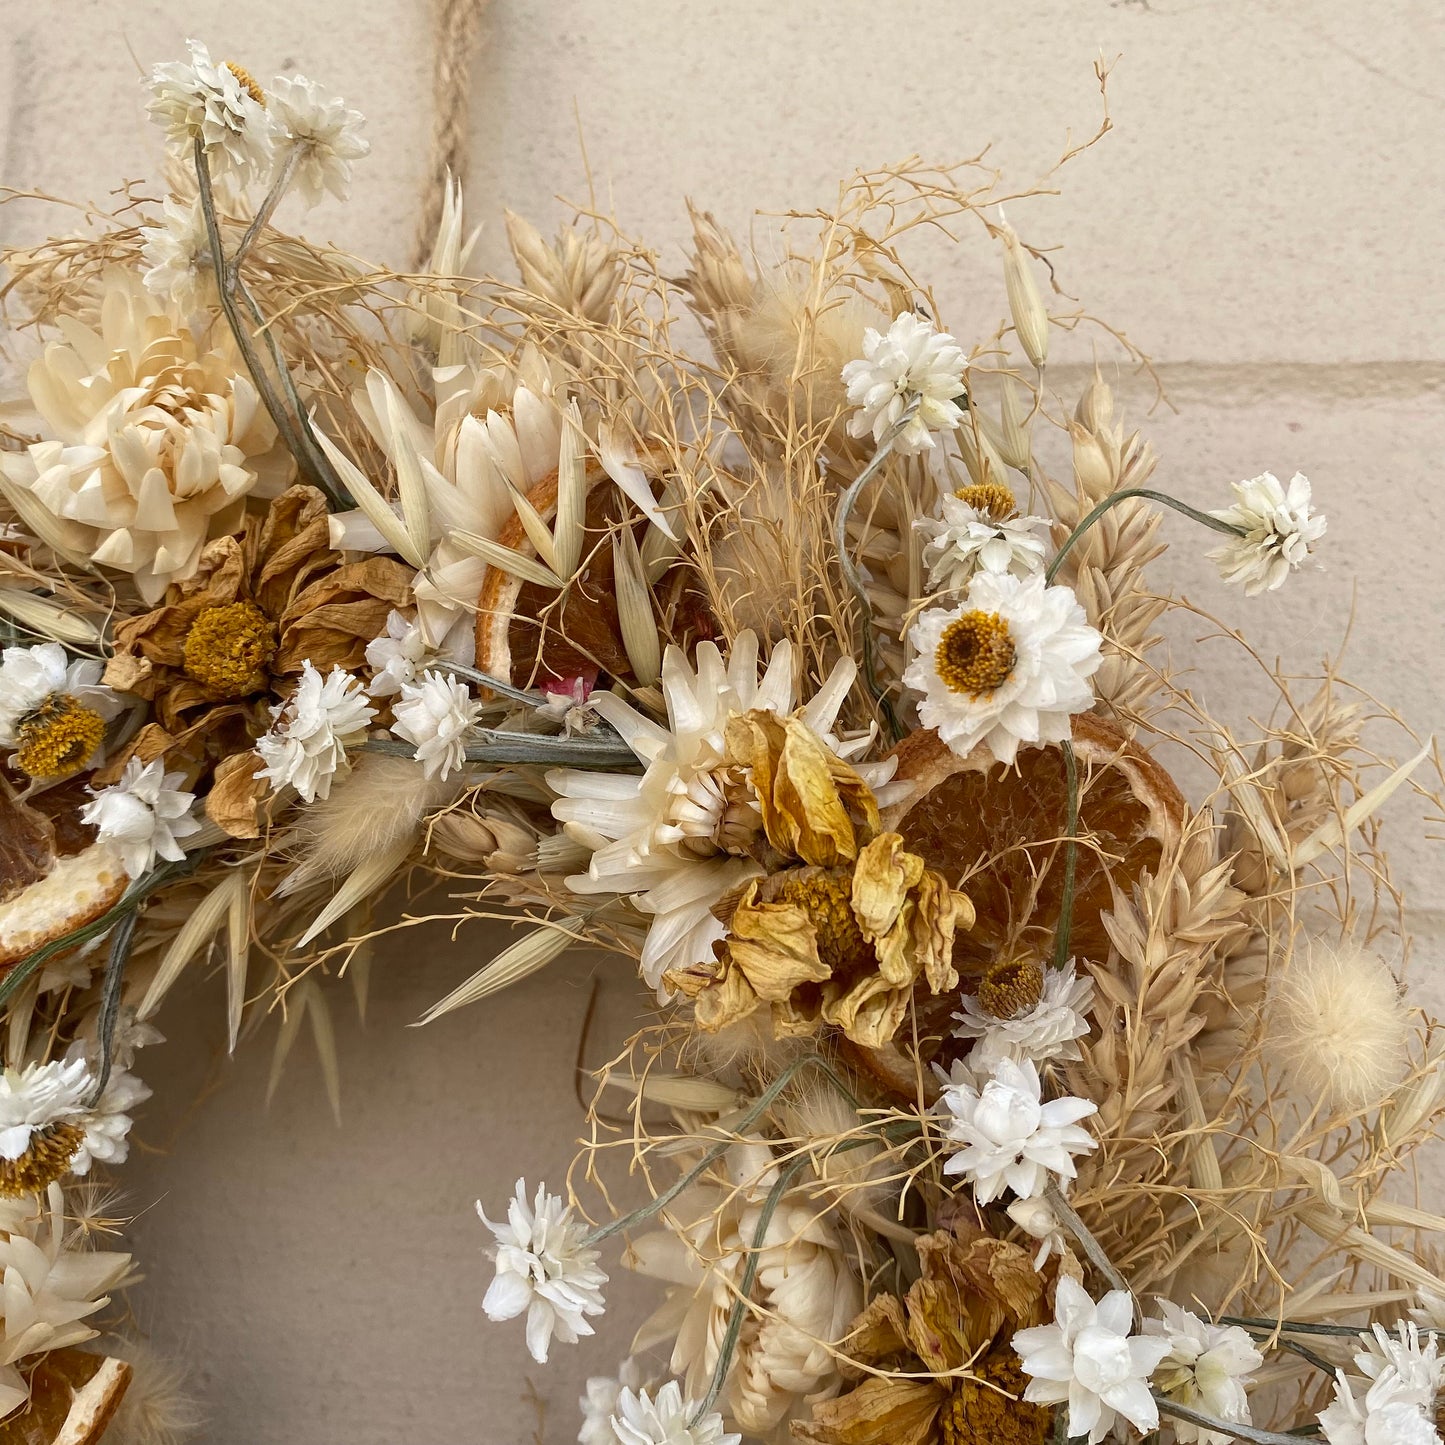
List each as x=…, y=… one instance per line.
x=229, y=648
x=248, y=82
x=992, y=498
x=58, y=737
x=976, y=654
x=1011, y=987
x=975, y=1412
x=45, y=1160
x=826, y=896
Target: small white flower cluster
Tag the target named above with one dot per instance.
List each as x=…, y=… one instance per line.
x=1278, y=528
x=909, y=361
x=1090, y=1360
x=396, y=656
x=306, y=745
x=1402, y=1376
x=964, y=540
x=435, y=715
x=143, y=815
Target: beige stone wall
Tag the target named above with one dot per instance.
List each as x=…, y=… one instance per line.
x=1266, y=222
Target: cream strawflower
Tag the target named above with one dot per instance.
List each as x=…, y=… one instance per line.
x=144, y=815
x=805, y=1290
x=1089, y=1360
x=1049, y=1029
x=675, y=839
x=663, y=1419
x=436, y=714
x=157, y=438
x=909, y=360
x=219, y=105
x=1390, y=1413
x=979, y=529
x=177, y=254
x=51, y=1286
x=599, y=1404
x=320, y=129
x=107, y=1123
x=1010, y=1138
x=1279, y=529
x=1208, y=1367
x=306, y=746
x=544, y=1269
x=1010, y=665
x=53, y=710
x=396, y=656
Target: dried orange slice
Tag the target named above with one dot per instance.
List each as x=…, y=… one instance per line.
x=74, y=1397
x=997, y=833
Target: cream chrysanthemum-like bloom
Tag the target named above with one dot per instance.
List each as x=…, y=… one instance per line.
x=1338, y=1026
x=909, y=360
x=177, y=254
x=155, y=442
x=675, y=839
x=972, y=533
x=545, y=1270
x=436, y=714
x=322, y=131
x=52, y=1285
x=1050, y=1028
x=306, y=746
x=1009, y=665
x=1089, y=1360
x=1279, y=527
x=143, y=815
x=1207, y=1368
x=665, y=1418
x=217, y=104
x=805, y=1289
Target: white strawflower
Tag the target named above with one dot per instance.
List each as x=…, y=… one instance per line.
x=663, y=1419
x=1048, y=1030
x=1414, y=1358
x=177, y=254
x=544, y=1269
x=107, y=1124
x=219, y=105
x=1011, y=1139
x=1390, y=1413
x=1089, y=1360
x=910, y=359
x=324, y=132
x=599, y=1404
x=977, y=530
x=1279, y=529
x=396, y=656
x=144, y=815
x=1009, y=665
x=1338, y=1026
x=306, y=746
x=36, y=1097
x=435, y=715
x=1037, y=1219
x=1208, y=1367
x=30, y=677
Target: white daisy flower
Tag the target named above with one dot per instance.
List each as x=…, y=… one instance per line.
x=144, y=815
x=323, y=132
x=306, y=746
x=666, y=1419
x=30, y=677
x=910, y=359
x=1390, y=1413
x=435, y=715
x=1010, y=1138
x=1207, y=1367
x=979, y=529
x=545, y=1270
x=1009, y=665
x=674, y=839
x=1050, y=1029
x=599, y=1404
x=396, y=656
x=1089, y=1359
x=1279, y=529
x=177, y=254
x=219, y=105
x=36, y=1097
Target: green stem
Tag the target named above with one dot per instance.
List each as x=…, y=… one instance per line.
x=851, y=575
x=1258, y=1324
x=1071, y=860
x=496, y=746
x=493, y=684
x=1128, y=493
x=268, y=206
x=1225, y=1427
x=120, y=942
x=1069, y=1218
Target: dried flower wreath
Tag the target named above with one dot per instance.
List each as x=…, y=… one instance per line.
x=737, y=624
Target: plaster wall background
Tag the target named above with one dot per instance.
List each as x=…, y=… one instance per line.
x=1266, y=222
